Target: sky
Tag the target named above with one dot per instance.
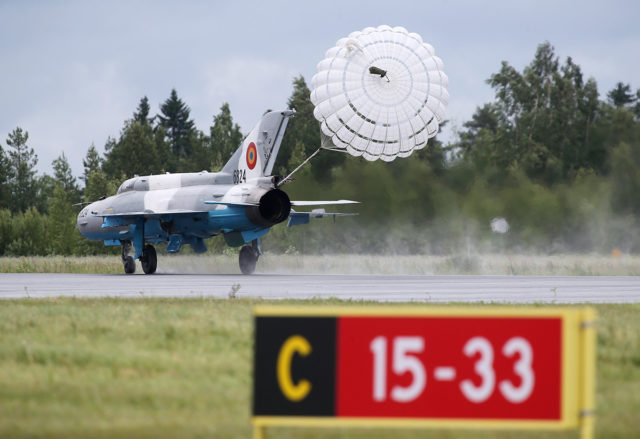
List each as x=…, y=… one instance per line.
x=71, y=72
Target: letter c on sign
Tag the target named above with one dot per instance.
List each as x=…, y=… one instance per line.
x=293, y=392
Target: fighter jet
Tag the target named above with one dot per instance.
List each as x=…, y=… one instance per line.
x=241, y=202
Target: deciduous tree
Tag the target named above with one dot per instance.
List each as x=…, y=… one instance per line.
x=62, y=222
x=138, y=151
x=542, y=121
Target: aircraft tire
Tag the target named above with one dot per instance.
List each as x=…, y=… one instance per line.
x=129, y=265
x=149, y=259
x=248, y=259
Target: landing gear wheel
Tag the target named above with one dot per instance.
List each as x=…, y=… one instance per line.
x=248, y=259
x=129, y=265
x=127, y=260
x=149, y=259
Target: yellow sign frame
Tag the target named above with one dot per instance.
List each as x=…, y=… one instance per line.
x=578, y=368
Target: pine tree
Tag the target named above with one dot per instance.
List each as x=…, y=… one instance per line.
x=64, y=176
x=142, y=112
x=621, y=95
x=5, y=176
x=226, y=136
x=174, y=118
x=303, y=127
x=109, y=144
x=92, y=162
x=23, y=161
x=45, y=185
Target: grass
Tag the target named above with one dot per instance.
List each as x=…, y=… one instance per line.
x=182, y=368
x=549, y=265
x=61, y=264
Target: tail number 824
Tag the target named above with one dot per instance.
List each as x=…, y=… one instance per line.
x=239, y=176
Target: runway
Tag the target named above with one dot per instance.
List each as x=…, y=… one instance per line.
x=380, y=288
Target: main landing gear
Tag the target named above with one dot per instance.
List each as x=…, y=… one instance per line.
x=248, y=257
x=148, y=260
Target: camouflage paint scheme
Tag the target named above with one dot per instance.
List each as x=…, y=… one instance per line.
x=241, y=201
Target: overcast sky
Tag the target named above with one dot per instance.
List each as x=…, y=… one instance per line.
x=71, y=72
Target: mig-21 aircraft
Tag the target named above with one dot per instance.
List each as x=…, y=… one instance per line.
x=241, y=202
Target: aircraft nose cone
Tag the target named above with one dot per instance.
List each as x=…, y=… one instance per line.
x=84, y=219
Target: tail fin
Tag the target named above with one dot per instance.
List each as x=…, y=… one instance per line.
x=258, y=152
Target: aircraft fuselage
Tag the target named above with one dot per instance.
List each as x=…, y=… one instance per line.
x=185, y=209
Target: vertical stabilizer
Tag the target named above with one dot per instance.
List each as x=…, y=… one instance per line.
x=259, y=150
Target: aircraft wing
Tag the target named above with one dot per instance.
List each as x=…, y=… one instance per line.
x=230, y=203
x=298, y=218
x=322, y=203
x=149, y=213
x=293, y=203
x=120, y=219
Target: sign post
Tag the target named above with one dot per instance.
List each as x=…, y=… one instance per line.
x=439, y=367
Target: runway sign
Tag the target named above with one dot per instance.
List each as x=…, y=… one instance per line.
x=446, y=367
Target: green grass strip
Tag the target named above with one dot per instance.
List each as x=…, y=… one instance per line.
x=182, y=368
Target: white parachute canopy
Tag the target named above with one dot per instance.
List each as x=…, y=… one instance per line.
x=380, y=93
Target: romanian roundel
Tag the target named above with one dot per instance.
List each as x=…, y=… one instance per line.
x=252, y=155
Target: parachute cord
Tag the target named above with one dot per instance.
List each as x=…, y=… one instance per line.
x=326, y=144
x=288, y=177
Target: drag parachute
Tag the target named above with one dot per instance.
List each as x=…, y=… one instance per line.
x=380, y=93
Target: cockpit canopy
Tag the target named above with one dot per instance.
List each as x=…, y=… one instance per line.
x=134, y=184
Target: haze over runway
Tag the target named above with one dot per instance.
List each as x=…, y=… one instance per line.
x=380, y=288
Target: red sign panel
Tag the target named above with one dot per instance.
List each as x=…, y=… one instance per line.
x=449, y=367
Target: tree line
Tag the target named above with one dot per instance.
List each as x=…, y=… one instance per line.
x=551, y=155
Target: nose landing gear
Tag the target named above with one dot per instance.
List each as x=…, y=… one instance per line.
x=127, y=259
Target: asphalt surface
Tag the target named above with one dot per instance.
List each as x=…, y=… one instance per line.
x=383, y=288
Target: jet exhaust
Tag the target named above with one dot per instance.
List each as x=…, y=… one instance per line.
x=273, y=207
